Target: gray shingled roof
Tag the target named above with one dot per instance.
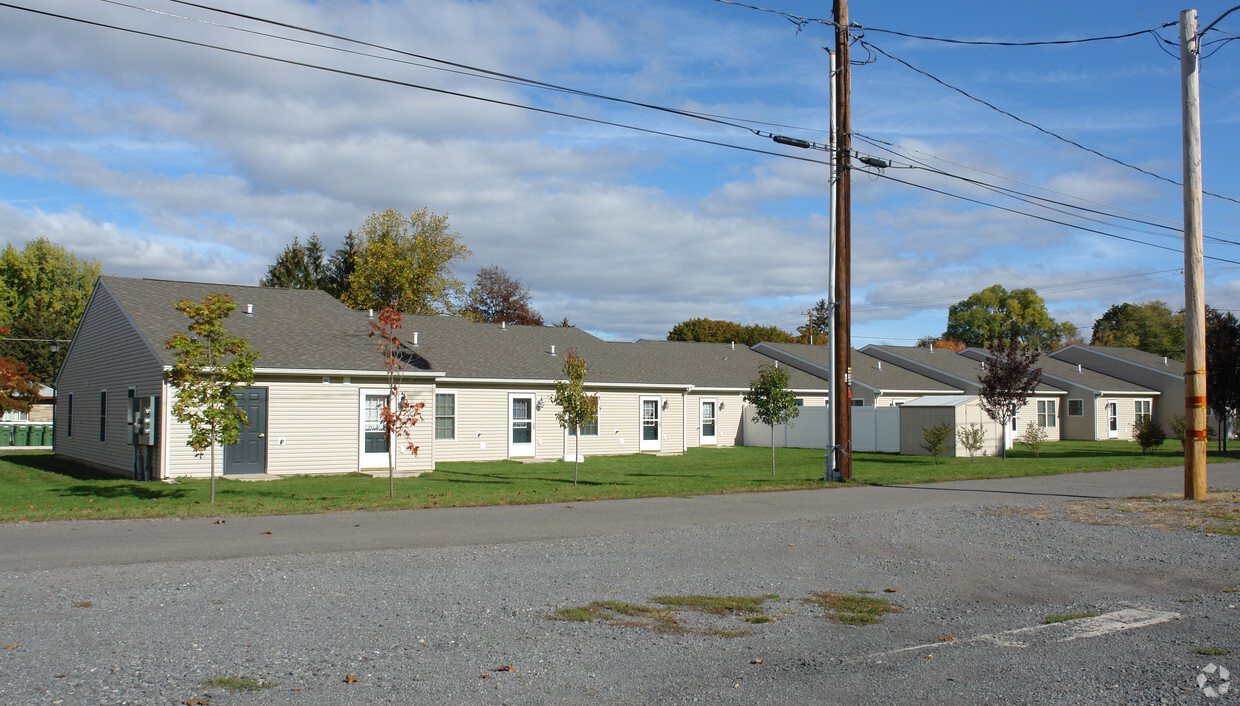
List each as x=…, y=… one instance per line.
x=293, y=329
x=1070, y=373
x=1160, y=363
x=950, y=362
x=865, y=368
x=310, y=330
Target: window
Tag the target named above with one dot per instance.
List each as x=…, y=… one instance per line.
x=445, y=416
x=798, y=402
x=590, y=429
x=69, y=416
x=103, y=416
x=858, y=403
x=1142, y=410
x=1046, y=413
x=1076, y=408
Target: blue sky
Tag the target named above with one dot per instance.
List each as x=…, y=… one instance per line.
x=166, y=160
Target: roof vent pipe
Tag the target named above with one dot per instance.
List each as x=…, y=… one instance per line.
x=503, y=325
x=415, y=338
x=249, y=309
x=1164, y=360
x=1078, y=368
x=733, y=345
x=370, y=313
x=880, y=365
x=552, y=350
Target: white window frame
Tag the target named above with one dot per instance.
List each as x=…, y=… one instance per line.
x=1081, y=408
x=1142, y=408
x=451, y=417
x=1048, y=414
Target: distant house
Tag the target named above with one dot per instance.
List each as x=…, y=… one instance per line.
x=1097, y=406
x=1163, y=375
x=319, y=386
x=963, y=371
x=873, y=385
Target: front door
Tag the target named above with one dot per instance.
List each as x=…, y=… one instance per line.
x=709, y=433
x=1112, y=420
x=520, y=426
x=650, y=425
x=375, y=443
x=249, y=454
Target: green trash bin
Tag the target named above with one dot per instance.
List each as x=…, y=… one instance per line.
x=48, y=438
x=21, y=434
x=36, y=435
x=6, y=434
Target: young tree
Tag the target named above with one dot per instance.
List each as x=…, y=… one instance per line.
x=407, y=259
x=773, y=402
x=1010, y=377
x=1222, y=368
x=577, y=409
x=934, y=439
x=1151, y=327
x=44, y=289
x=972, y=437
x=210, y=364
x=298, y=266
x=995, y=314
x=398, y=415
x=1032, y=438
x=497, y=296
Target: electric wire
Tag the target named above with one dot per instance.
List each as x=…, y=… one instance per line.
x=1039, y=128
x=407, y=84
x=906, y=152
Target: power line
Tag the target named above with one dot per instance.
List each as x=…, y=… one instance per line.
x=1039, y=128
x=406, y=84
x=906, y=152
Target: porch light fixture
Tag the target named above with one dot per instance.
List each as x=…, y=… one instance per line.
x=539, y=403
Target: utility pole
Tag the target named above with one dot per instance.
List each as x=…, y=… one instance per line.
x=1194, y=269
x=841, y=338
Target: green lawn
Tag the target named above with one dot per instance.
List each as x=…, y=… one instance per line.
x=35, y=486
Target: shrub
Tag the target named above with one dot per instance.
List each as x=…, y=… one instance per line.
x=1178, y=425
x=1032, y=438
x=1149, y=434
x=972, y=437
x=934, y=439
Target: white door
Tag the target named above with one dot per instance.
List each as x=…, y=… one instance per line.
x=520, y=426
x=1112, y=420
x=650, y=425
x=375, y=443
x=1009, y=434
x=709, y=431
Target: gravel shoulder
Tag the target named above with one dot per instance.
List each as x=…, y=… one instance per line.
x=431, y=620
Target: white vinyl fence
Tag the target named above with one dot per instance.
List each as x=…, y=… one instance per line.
x=874, y=429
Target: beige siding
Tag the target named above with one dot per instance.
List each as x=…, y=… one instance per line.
x=107, y=354
x=1086, y=426
x=1028, y=415
x=1169, y=382
x=319, y=425
x=728, y=408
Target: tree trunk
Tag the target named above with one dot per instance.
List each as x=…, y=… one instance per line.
x=576, y=454
x=772, y=450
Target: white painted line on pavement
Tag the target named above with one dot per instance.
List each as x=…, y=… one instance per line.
x=1096, y=626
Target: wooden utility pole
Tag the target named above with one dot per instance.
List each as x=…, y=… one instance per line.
x=841, y=338
x=1194, y=270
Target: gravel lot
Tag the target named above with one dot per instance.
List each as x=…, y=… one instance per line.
x=433, y=624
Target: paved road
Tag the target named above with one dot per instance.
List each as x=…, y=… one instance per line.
x=48, y=545
x=426, y=606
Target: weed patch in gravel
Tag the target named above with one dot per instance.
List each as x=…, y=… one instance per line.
x=1219, y=513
